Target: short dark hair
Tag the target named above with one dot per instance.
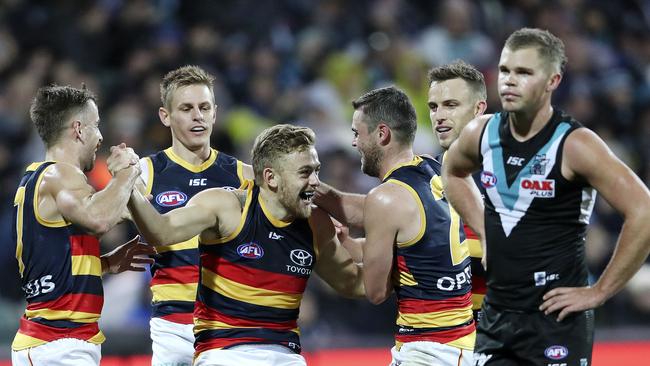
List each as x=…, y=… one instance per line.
x=277, y=141
x=53, y=106
x=183, y=76
x=550, y=47
x=460, y=70
x=391, y=106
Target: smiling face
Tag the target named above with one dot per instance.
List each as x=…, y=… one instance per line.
x=452, y=104
x=92, y=137
x=366, y=143
x=191, y=116
x=523, y=80
x=298, y=179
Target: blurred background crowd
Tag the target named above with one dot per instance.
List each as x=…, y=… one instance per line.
x=302, y=62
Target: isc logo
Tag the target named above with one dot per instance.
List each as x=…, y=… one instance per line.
x=556, y=352
x=171, y=198
x=250, y=251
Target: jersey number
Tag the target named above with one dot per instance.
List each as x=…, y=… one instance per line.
x=459, y=251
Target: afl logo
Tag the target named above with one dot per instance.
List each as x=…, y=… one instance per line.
x=301, y=257
x=556, y=352
x=250, y=251
x=488, y=180
x=171, y=198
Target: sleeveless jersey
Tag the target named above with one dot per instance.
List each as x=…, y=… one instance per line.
x=172, y=181
x=60, y=269
x=535, y=219
x=252, y=281
x=432, y=272
x=475, y=254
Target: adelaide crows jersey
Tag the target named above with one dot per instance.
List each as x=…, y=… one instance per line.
x=252, y=281
x=535, y=219
x=432, y=273
x=61, y=272
x=172, y=181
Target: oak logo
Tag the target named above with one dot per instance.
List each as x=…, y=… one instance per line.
x=539, y=188
x=171, y=198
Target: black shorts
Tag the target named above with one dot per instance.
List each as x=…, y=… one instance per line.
x=507, y=338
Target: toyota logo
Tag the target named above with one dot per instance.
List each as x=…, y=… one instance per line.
x=301, y=257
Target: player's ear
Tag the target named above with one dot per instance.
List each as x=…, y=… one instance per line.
x=271, y=178
x=480, y=108
x=384, y=133
x=163, y=114
x=77, y=128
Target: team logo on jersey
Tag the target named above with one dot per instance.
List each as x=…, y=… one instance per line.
x=488, y=179
x=556, y=352
x=538, y=165
x=250, y=251
x=301, y=257
x=171, y=198
x=538, y=188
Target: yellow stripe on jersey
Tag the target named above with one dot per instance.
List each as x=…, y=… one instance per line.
x=19, y=201
x=188, y=244
x=174, y=292
x=249, y=294
x=23, y=341
x=423, y=216
x=41, y=220
x=240, y=174
x=466, y=342
x=475, y=249
x=86, y=265
x=242, y=220
x=416, y=160
x=69, y=315
x=274, y=220
x=98, y=338
x=436, y=319
x=150, y=173
x=437, y=188
x=201, y=325
x=477, y=301
x=403, y=278
x=191, y=167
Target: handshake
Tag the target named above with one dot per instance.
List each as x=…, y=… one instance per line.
x=121, y=158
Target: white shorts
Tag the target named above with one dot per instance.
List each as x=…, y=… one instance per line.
x=62, y=352
x=251, y=355
x=172, y=343
x=430, y=354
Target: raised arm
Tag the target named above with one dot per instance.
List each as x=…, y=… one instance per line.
x=200, y=214
x=587, y=157
x=65, y=193
x=335, y=265
x=345, y=207
x=461, y=161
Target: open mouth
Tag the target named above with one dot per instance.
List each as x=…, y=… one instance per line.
x=307, y=196
x=198, y=129
x=443, y=129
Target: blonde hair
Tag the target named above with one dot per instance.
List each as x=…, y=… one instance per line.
x=276, y=142
x=183, y=76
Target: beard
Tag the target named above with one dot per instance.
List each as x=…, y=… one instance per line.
x=292, y=202
x=371, y=161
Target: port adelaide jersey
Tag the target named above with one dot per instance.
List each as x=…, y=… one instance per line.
x=535, y=219
x=172, y=182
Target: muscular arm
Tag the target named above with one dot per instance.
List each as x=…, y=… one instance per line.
x=335, y=265
x=200, y=213
x=461, y=161
x=77, y=202
x=345, y=207
x=587, y=157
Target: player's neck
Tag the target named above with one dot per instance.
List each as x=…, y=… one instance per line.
x=191, y=156
x=63, y=154
x=393, y=159
x=272, y=206
x=526, y=124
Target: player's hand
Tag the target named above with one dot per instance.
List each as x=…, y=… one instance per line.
x=129, y=257
x=342, y=231
x=121, y=157
x=569, y=300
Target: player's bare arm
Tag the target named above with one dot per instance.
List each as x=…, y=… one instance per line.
x=64, y=193
x=345, y=207
x=461, y=161
x=586, y=157
x=335, y=265
x=201, y=214
x=391, y=215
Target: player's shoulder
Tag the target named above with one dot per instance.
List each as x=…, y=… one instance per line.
x=388, y=196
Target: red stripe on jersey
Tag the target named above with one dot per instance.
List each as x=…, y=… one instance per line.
x=75, y=302
x=182, y=274
x=443, y=336
x=180, y=318
x=217, y=343
x=469, y=234
x=84, y=245
x=401, y=264
x=478, y=285
x=204, y=312
x=47, y=333
x=255, y=277
x=417, y=306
